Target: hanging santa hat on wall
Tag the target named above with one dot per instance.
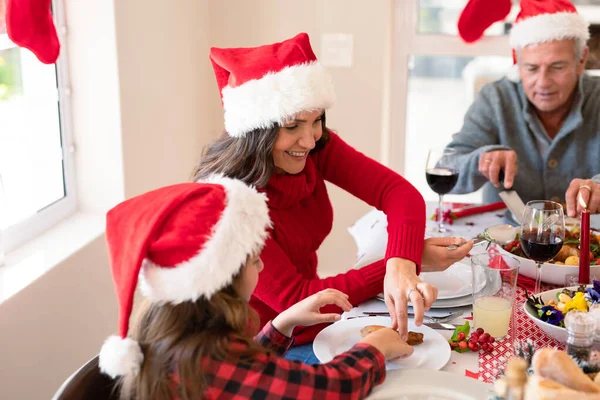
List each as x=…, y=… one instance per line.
x=29, y=24
x=478, y=15
x=263, y=86
x=183, y=242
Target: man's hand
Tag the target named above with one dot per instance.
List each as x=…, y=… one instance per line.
x=590, y=194
x=437, y=257
x=492, y=162
x=307, y=312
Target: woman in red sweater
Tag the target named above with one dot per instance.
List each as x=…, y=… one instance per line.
x=275, y=97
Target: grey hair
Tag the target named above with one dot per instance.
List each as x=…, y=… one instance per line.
x=580, y=45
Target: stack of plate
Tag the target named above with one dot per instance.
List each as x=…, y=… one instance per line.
x=455, y=285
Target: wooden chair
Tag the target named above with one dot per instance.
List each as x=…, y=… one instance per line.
x=88, y=383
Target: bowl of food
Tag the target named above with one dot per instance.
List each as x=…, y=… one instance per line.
x=566, y=261
x=548, y=309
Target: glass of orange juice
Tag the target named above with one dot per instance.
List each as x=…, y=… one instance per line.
x=494, y=289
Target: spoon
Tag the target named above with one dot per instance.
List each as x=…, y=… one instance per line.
x=501, y=234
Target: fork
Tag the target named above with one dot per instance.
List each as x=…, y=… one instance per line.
x=445, y=318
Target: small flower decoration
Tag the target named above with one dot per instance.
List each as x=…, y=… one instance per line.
x=447, y=216
x=593, y=294
x=551, y=315
x=578, y=303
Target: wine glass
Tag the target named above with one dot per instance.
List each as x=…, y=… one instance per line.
x=542, y=233
x=442, y=175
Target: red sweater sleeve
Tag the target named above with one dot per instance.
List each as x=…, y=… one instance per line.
x=280, y=285
x=381, y=188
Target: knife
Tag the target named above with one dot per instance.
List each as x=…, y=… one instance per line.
x=511, y=199
x=439, y=325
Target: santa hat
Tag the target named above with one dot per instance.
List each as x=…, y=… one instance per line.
x=183, y=242
x=29, y=24
x=542, y=21
x=478, y=15
x=263, y=86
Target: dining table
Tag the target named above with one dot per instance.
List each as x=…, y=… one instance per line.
x=482, y=366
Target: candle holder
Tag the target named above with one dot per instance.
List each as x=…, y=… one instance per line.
x=573, y=280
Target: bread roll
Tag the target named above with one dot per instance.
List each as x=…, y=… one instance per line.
x=556, y=365
x=540, y=388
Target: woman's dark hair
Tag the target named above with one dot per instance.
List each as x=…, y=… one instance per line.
x=178, y=338
x=248, y=158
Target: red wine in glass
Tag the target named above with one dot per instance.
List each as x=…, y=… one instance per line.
x=441, y=180
x=542, y=234
x=540, y=249
x=442, y=174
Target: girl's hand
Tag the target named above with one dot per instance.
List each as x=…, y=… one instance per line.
x=400, y=285
x=436, y=256
x=388, y=342
x=307, y=312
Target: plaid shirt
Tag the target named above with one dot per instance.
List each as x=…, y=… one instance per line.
x=351, y=375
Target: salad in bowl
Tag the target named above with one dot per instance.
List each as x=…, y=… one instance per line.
x=548, y=309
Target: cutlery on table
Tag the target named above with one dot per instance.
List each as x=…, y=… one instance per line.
x=445, y=318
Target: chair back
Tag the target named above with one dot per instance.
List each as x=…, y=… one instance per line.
x=88, y=383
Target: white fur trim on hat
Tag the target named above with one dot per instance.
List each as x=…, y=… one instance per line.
x=548, y=27
x=241, y=231
x=260, y=103
x=120, y=357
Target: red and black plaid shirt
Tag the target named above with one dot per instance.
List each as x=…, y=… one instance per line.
x=351, y=375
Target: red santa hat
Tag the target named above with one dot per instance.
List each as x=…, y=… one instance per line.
x=263, y=86
x=182, y=242
x=542, y=21
x=478, y=15
x=29, y=24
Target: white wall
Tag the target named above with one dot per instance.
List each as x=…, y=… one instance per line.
x=135, y=131
x=55, y=325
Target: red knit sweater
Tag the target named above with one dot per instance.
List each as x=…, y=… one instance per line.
x=302, y=217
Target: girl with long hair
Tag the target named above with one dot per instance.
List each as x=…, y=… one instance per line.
x=276, y=139
x=195, y=248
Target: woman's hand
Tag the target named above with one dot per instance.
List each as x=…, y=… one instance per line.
x=388, y=342
x=436, y=256
x=306, y=312
x=400, y=285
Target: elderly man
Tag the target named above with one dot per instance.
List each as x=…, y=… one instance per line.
x=543, y=127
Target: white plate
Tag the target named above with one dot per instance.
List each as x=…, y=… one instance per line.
x=413, y=384
x=339, y=337
x=444, y=303
x=454, y=282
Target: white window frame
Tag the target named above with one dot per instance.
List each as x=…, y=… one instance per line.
x=45, y=218
x=406, y=42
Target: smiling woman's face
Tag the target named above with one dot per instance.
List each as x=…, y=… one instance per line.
x=295, y=139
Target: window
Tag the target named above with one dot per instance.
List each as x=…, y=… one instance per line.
x=35, y=161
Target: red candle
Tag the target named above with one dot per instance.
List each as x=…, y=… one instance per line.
x=584, y=247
